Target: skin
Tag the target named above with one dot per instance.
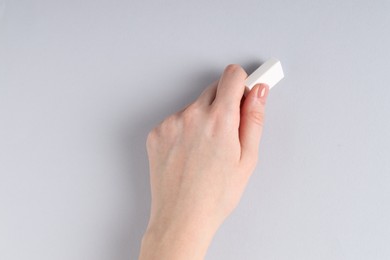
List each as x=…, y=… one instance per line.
x=200, y=160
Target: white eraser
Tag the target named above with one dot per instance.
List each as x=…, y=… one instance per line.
x=270, y=73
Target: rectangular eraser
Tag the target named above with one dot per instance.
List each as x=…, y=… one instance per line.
x=270, y=73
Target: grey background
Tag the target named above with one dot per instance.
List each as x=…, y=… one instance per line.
x=82, y=83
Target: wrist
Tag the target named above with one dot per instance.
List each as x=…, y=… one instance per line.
x=175, y=239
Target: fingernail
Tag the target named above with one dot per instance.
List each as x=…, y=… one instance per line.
x=262, y=91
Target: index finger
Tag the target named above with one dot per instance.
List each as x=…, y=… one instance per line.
x=231, y=86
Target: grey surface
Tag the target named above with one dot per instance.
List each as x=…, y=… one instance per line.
x=82, y=83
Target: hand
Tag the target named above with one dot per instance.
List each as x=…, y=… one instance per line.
x=200, y=161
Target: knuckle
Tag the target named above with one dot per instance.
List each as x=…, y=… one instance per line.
x=257, y=117
x=170, y=120
x=190, y=115
x=168, y=125
x=199, y=103
x=164, y=132
x=235, y=68
x=231, y=68
x=151, y=138
x=193, y=108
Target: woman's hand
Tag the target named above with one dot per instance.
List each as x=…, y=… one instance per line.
x=200, y=161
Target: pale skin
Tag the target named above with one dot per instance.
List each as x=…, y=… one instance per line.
x=200, y=161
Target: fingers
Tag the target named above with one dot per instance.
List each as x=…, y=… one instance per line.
x=207, y=97
x=252, y=119
x=231, y=87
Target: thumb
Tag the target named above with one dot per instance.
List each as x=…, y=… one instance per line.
x=252, y=119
